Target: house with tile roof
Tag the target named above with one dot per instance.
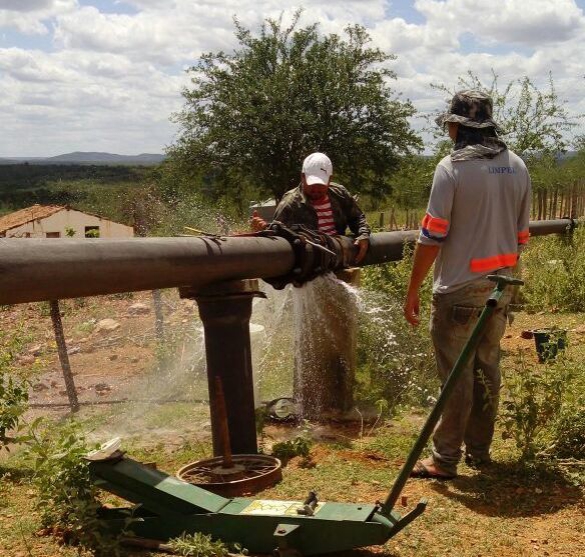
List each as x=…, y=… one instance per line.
x=59, y=221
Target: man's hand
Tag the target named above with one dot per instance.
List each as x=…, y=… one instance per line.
x=424, y=257
x=362, y=246
x=412, y=308
x=257, y=223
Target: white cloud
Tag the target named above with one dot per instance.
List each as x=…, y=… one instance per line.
x=510, y=21
x=25, y=5
x=29, y=16
x=112, y=80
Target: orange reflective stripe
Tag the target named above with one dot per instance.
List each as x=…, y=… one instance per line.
x=523, y=236
x=435, y=224
x=494, y=262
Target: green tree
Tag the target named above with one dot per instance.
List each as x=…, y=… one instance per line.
x=253, y=115
x=534, y=121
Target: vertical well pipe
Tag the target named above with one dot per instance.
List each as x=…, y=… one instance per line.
x=225, y=314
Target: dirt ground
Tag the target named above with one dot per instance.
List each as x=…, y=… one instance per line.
x=504, y=512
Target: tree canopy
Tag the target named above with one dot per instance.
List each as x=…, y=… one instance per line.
x=533, y=121
x=250, y=117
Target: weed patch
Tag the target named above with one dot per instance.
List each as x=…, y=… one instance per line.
x=554, y=273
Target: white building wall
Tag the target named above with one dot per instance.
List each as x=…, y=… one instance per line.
x=70, y=218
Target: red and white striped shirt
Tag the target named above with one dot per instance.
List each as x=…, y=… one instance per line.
x=325, y=216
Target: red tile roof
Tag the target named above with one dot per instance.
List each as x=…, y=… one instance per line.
x=18, y=218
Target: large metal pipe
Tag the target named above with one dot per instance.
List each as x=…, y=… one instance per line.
x=388, y=246
x=556, y=226
x=33, y=270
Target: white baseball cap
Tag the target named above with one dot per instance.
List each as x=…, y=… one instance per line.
x=317, y=169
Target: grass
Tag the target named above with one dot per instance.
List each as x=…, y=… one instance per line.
x=497, y=512
x=511, y=509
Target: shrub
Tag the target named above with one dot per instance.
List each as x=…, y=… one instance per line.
x=299, y=446
x=554, y=271
x=198, y=545
x=67, y=498
x=13, y=387
x=541, y=405
x=569, y=434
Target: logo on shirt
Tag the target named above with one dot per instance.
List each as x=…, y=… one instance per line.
x=501, y=170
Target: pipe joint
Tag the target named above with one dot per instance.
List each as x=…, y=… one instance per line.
x=315, y=253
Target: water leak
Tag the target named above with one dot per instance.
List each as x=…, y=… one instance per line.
x=304, y=345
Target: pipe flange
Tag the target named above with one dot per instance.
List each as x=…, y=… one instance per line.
x=314, y=253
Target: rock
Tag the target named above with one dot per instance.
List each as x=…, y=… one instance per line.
x=27, y=359
x=74, y=350
x=36, y=350
x=139, y=309
x=106, y=325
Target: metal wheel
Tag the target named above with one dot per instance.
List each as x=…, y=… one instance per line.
x=247, y=474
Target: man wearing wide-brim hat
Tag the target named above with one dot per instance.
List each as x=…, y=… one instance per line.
x=476, y=224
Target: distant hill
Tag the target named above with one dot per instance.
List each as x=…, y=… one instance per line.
x=79, y=157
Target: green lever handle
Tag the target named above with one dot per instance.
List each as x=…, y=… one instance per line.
x=503, y=281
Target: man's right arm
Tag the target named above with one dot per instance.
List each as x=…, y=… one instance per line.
x=424, y=257
x=434, y=230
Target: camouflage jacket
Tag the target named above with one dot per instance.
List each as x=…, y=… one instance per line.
x=295, y=208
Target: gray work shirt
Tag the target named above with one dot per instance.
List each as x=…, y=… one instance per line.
x=478, y=213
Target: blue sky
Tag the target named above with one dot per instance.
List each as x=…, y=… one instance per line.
x=105, y=75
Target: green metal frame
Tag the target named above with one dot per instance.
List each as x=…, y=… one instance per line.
x=168, y=507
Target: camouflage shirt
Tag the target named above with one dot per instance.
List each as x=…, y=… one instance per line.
x=296, y=208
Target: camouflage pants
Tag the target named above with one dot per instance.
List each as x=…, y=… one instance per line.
x=470, y=413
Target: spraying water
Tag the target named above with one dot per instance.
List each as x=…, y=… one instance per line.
x=304, y=345
x=325, y=317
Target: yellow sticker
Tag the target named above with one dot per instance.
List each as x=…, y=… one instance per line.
x=269, y=507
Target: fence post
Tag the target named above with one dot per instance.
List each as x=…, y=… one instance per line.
x=393, y=224
x=158, y=315
x=63, y=356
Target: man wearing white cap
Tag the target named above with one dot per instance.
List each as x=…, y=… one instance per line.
x=320, y=204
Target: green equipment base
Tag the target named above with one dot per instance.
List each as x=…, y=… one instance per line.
x=168, y=507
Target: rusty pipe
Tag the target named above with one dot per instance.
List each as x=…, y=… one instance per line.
x=33, y=270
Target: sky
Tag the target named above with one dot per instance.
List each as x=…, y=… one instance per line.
x=106, y=75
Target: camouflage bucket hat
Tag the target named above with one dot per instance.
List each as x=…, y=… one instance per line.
x=469, y=108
